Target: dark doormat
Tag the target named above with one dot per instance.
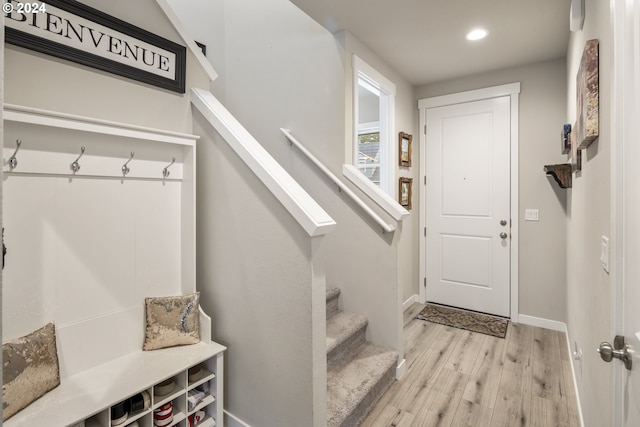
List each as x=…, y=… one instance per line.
x=464, y=319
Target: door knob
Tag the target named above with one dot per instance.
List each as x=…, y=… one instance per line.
x=503, y=235
x=503, y=222
x=618, y=351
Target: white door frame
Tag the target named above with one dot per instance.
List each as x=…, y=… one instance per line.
x=620, y=118
x=513, y=91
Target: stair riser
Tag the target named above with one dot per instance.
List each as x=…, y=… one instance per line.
x=347, y=347
x=357, y=416
x=332, y=305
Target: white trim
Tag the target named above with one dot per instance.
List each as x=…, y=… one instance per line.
x=231, y=420
x=468, y=96
x=512, y=90
x=515, y=210
x=386, y=228
x=573, y=376
x=374, y=192
x=37, y=116
x=401, y=369
x=372, y=76
x=387, y=90
x=189, y=41
x=410, y=301
x=540, y=322
x=309, y=214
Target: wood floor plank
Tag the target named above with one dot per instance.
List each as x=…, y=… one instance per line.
x=484, y=383
x=464, y=356
x=437, y=410
x=522, y=380
x=389, y=416
x=547, y=372
x=509, y=410
x=470, y=414
x=548, y=413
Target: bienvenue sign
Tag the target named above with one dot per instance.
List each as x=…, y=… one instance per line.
x=76, y=32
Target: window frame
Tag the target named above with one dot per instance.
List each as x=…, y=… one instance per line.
x=376, y=82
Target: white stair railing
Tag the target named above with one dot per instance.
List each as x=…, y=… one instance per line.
x=309, y=214
x=386, y=228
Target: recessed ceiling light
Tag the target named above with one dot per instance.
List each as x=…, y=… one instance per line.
x=477, y=34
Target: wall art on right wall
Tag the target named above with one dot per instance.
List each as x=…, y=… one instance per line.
x=587, y=94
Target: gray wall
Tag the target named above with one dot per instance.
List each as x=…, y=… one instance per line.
x=542, y=248
x=406, y=120
x=589, y=288
x=255, y=277
x=282, y=69
x=42, y=81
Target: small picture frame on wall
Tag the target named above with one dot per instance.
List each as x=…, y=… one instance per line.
x=565, y=139
x=404, y=149
x=405, y=192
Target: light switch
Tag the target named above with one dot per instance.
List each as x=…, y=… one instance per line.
x=604, y=253
x=531, y=215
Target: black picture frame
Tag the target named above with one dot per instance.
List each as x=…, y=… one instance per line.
x=39, y=44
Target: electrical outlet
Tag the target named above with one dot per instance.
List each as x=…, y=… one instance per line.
x=531, y=215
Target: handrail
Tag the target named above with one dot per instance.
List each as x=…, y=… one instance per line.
x=309, y=214
x=387, y=228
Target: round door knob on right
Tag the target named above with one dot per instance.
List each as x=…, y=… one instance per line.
x=503, y=235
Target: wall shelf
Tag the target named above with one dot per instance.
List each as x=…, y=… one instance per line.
x=561, y=173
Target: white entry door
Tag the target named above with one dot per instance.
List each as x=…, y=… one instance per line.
x=468, y=205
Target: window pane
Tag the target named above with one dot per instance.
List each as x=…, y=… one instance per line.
x=369, y=156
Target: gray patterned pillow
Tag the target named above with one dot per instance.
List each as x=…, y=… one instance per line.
x=30, y=369
x=172, y=321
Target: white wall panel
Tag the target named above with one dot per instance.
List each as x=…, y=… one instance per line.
x=95, y=248
x=29, y=293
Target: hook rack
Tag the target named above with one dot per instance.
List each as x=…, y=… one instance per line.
x=165, y=171
x=13, y=162
x=125, y=168
x=75, y=166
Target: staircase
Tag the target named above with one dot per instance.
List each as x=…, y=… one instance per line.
x=358, y=372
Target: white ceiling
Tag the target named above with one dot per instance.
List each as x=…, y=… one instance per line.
x=425, y=41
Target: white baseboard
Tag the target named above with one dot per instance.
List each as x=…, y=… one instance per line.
x=573, y=375
x=232, y=421
x=542, y=323
x=410, y=301
x=401, y=369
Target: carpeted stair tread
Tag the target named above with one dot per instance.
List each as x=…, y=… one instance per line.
x=355, y=385
x=332, y=301
x=344, y=331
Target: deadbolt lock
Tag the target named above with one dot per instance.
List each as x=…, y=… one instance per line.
x=503, y=222
x=503, y=235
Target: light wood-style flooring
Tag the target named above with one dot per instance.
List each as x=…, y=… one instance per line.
x=461, y=378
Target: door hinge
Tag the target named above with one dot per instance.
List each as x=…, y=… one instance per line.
x=425, y=282
x=425, y=232
x=425, y=129
x=425, y=180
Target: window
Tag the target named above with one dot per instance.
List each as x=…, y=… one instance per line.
x=373, y=125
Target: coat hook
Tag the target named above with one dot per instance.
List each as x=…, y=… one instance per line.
x=165, y=171
x=75, y=166
x=13, y=162
x=125, y=168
